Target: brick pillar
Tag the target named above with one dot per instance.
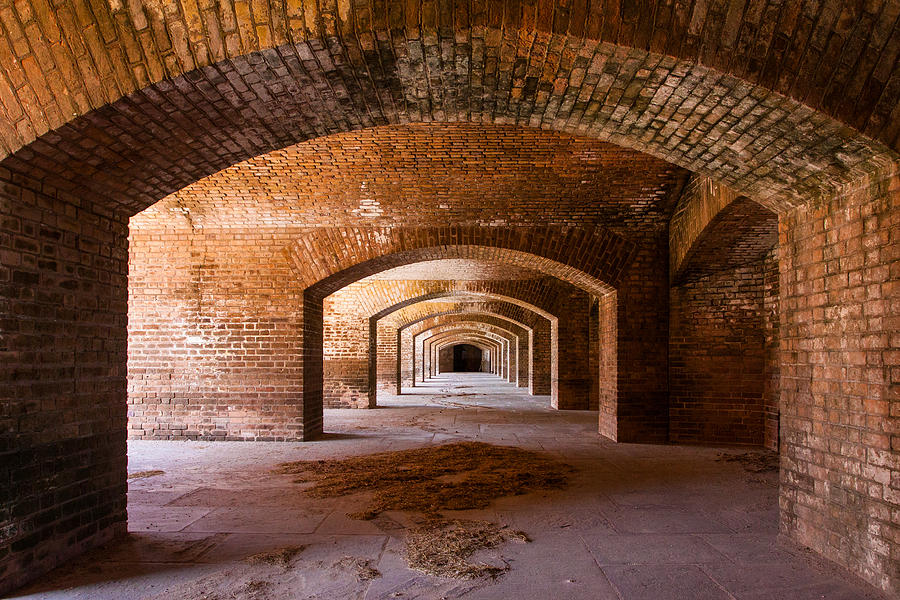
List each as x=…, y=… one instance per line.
x=608, y=365
x=346, y=357
x=573, y=378
x=386, y=358
x=642, y=303
x=427, y=358
x=63, y=303
x=405, y=359
x=594, y=351
x=541, y=359
x=523, y=372
x=840, y=380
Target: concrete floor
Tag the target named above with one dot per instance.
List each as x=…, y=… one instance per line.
x=637, y=521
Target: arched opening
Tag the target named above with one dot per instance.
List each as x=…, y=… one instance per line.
x=163, y=98
x=464, y=358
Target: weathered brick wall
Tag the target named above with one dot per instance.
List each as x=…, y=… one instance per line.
x=717, y=358
x=386, y=364
x=723, y=369
x=707, y=88
x=85, y=58
x=772, y=351
x=608, y=364
x=214, y=336
x=573, y=377
x=62, y=378
x=642, y=302
x=840, y=375
x=346, y=354
x=594, y=353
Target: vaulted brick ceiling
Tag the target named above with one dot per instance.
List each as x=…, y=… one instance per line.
x=417, y=175
x=135, y=100
x=455, y=270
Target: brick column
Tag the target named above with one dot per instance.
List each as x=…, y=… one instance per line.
x=63, y=303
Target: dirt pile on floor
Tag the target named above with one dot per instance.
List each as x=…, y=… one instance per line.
x=442, y=548
x=363, y=567
x=455, y=476
x=281, y=557
x=143, y=474
x=762, y=461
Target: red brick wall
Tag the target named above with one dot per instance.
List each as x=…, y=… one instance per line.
x=717, y=358
x=608, y=365
x=346, y=354
x=642, y=302
x=63, y=268
x=772, y=351
x=723, y=357
x=214, y=336
x=840, y=376
x=573, y=376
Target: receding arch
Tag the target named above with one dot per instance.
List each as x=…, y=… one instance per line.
x=513, y=343
x=350, y=254
x=523, y=377
x=718, y=230
x=488, y=359
x=112, y=161
x=539, y=371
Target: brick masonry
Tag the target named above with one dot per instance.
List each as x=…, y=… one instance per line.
x=109, y=107
x=840, y=370
x=62, y=360
x=723, y=363
x=701, y=86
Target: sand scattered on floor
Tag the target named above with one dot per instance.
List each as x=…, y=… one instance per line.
x=280, y=557
x=762, y=461
x=143, y=474
x=458, y=476
x=442, y=547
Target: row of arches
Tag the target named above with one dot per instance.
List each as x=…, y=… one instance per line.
x=109, y=111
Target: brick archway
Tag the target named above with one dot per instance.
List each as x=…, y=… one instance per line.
x=724, y=295
x=517, y=337
x=534, y=330
x=70, y=183
x=384, y=368
x=438, y=337
x=488, y=346
x=131, y=149
x=349, y=255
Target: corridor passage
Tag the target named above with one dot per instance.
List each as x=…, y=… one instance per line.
x=636, y=522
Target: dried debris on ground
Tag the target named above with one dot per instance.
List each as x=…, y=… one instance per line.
x=363, y=566
x=762, y=461
x=441, y=548
x=143, y=474
x=281, y=557
x=456, y=476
